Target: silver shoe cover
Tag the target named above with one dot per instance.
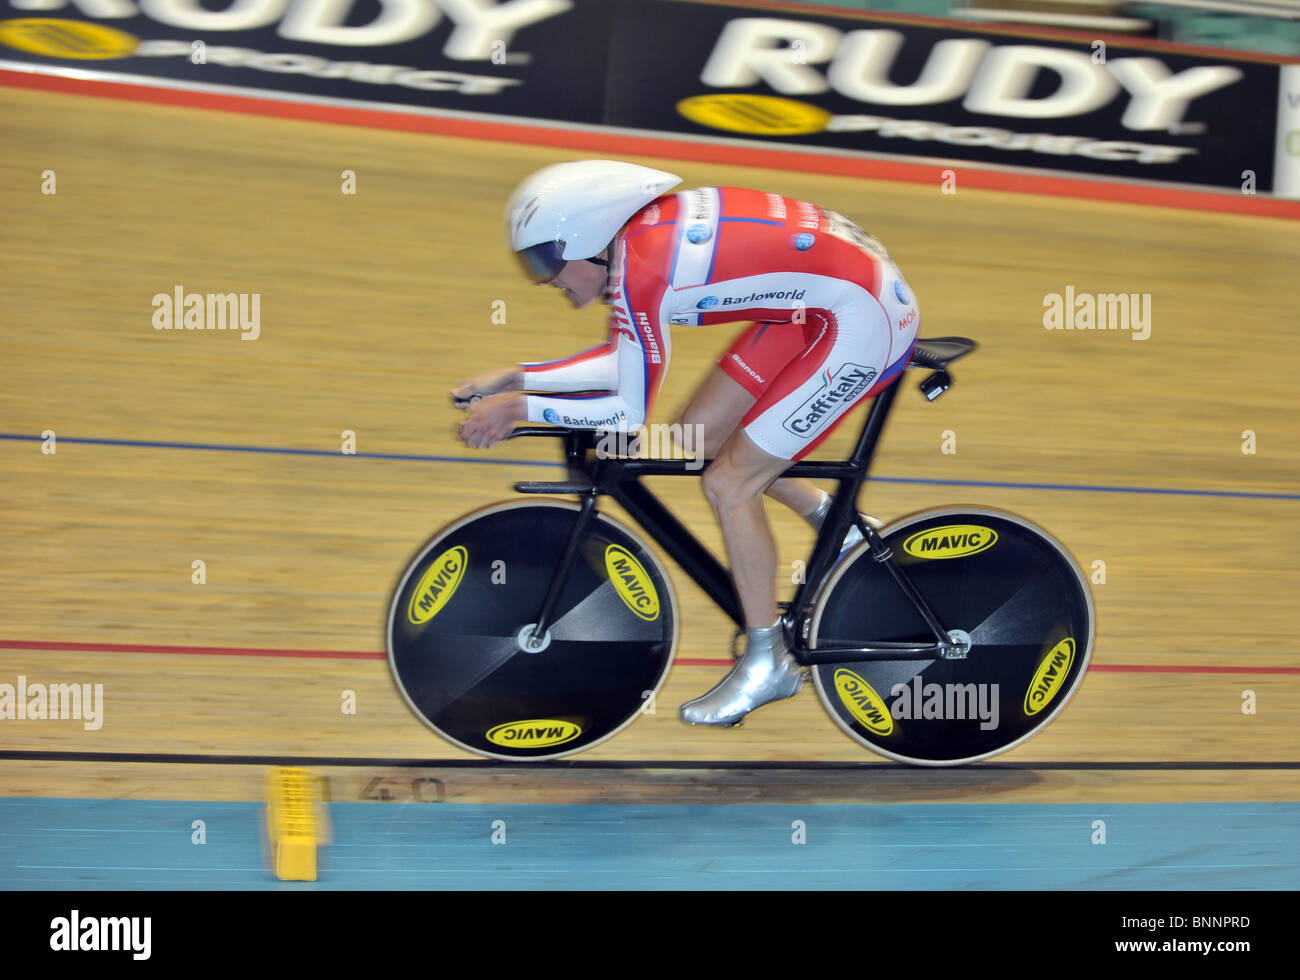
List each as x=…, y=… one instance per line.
x=764, y=674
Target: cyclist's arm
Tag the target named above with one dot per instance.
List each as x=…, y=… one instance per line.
x=591, y=370
x=624, y=376
x=616, y=386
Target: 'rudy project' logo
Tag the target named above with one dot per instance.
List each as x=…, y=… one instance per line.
x=839, y=389
x=1049, y=676
x=437, y=585
x=863, y=702
x=631, y=583
x=953, y=541
x=535, y=733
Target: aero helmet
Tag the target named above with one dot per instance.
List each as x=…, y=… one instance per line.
x=573, y=210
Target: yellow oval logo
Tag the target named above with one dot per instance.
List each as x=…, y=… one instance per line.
x=66, y=38
x=764, y=114
x=863, y=702
x=534, y=733
x=437, y=585
x=631, y=582
x=953, y=541
x=1049, y=676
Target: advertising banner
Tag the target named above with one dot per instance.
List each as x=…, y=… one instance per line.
x=545, y=59
x=789, y=76
x=913, y=88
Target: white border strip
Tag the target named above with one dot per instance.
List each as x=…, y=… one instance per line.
x=1053, y=20
x=1286, y=158
x=1286, y=9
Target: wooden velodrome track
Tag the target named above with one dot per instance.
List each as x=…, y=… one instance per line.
x=373, y=305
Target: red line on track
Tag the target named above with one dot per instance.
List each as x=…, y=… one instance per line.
x=1187, y=669
x=198, y=651
x=682, y=148
x=679, y=661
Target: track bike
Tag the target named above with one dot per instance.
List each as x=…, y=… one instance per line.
x=538, y=627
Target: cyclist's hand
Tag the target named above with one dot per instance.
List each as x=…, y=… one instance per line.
x=488, y=383
x=489, y=420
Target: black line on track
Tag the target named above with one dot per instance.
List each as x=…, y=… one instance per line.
x=346, y=761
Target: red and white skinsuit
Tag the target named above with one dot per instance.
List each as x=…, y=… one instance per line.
x=836, y=322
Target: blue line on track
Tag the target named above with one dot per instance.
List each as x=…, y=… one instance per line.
x=1089, y=488
x=496, y=461
x=273, y=450
x=143, y=844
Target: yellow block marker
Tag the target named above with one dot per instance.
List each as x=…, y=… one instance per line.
x=296, y=822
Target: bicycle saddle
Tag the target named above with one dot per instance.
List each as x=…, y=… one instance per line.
x=938, y=352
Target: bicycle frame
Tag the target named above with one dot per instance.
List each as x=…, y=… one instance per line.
x=591, y=477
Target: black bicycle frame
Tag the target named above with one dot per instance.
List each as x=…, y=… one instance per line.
x=591, y=476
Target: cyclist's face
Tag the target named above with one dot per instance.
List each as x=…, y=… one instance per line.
x=582, y=282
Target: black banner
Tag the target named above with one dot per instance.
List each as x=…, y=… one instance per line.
x=865, y=84
x=299, y=927
x=545, y=62
x=778, y=75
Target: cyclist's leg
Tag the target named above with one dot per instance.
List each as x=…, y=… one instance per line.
x=800, y=407
x=853, y=357
x=850, y=358
x=716, y=407
x=734, y=483
x=743, y=373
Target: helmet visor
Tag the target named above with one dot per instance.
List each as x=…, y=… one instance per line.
x=543, y=262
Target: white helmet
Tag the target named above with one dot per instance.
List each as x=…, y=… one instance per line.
x=573, y=210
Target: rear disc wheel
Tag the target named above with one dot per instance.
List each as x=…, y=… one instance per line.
x=1004, y=589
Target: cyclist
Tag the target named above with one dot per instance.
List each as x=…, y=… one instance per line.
x=833, y=323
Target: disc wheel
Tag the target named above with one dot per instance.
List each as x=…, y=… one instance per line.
x=998, y=584
x=466, y=659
